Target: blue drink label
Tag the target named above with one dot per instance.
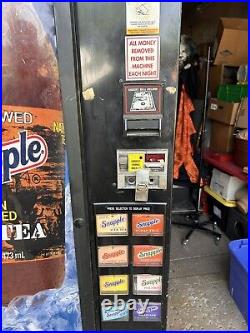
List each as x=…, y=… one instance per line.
x=116, y=313
x=152, y=312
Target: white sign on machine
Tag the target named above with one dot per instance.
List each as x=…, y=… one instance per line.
x=143, y=18
x=142, y=57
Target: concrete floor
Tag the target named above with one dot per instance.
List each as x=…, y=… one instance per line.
x=198, y=288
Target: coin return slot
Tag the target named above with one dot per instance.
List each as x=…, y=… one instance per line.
x=142, y=127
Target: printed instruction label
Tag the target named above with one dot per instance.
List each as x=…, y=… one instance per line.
x=135, y=161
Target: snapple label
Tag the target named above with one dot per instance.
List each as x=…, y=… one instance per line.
x=113, y=255
x=147, y=255
x=152, y=312
x=147, y=224
x=33, y=200
x=113, y=284
x=32, y=154
x=114, y=313
x=111, y=225
x=147, y=284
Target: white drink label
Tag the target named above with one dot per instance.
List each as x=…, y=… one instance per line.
x=147, y=284
x=111, y=225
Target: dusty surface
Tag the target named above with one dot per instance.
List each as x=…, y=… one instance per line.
x=198, y=289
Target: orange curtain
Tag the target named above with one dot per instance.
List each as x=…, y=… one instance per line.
x=183, y=149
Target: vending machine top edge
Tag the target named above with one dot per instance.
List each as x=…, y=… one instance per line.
x=118, y=67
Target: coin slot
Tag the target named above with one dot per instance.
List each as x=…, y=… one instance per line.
x=131, y=180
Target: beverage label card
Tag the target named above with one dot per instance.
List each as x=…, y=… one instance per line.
x=115, y=313
x=113, y=255
x=147, y=284
x=147, y=224
x=111, y=225
x=147, y=255
x=152, y=312
x=113, y=284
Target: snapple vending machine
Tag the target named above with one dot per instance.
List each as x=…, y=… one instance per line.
x=119, y=77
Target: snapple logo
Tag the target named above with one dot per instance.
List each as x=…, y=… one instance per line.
x=149, y=310
x=148, y=223
x=114, y=222
x=149, y=254
x=113, y=255
x=152, y=308
x=151, y=282
x=23, y=154
x=114, y=283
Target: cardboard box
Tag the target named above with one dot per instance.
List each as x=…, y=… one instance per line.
x=223, y=112
x=240, y=155
x=221, y=74
x=225, y=185
x=242, y=117
x=231, y=45
x=221, y=139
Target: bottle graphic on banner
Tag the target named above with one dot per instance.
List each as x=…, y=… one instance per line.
x=33, y=157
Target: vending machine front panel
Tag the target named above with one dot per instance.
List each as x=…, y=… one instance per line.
x=119, y=78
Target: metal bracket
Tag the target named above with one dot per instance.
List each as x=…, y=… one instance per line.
x=142, y=182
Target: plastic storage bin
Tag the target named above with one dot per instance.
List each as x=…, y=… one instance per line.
x=238, y=284
x=218, y=208
x=237, y=225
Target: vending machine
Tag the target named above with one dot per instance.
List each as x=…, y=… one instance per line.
x=119, y=81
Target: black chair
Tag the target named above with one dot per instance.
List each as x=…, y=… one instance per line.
x=196, y=222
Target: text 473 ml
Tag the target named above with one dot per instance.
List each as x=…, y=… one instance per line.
x=13, y=255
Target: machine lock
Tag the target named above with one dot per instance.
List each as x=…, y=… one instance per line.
x=142, y=183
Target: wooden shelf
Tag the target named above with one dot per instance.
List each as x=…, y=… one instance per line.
x=224, y=164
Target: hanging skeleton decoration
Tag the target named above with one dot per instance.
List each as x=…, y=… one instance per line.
x=188, y=52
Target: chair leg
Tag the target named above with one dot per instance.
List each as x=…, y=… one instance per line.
x=196, y=225
x=213, y=232
x=188, y=235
